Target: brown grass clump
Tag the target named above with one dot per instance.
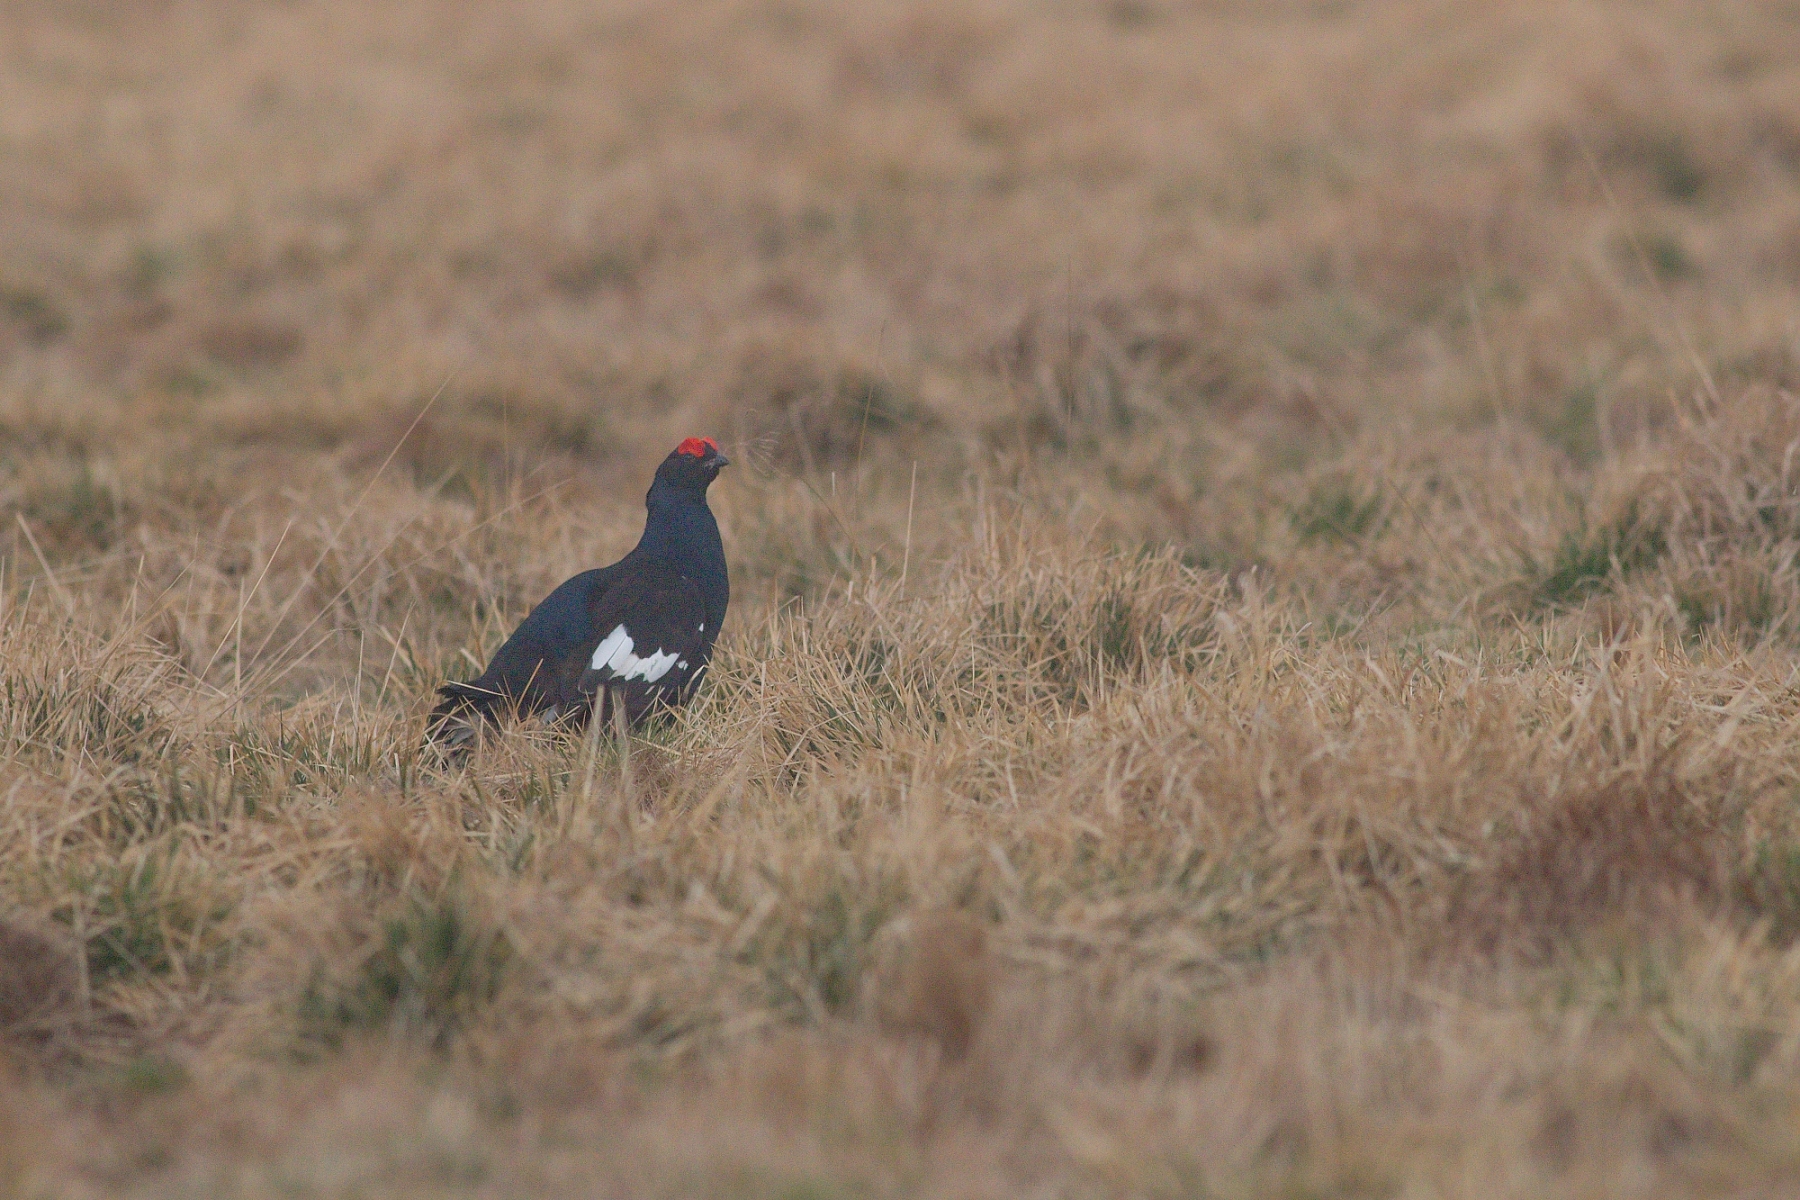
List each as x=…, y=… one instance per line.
x=1622, y=851
x=1264, y=635
x=946, y=990
x=40, y=987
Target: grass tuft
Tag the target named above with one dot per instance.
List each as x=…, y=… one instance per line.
x=425, y=970
x=1336, y=513
x=1588, y=562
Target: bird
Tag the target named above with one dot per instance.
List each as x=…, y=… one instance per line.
x=633, y=638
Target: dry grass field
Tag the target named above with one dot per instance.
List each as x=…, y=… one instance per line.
x=1265, y=657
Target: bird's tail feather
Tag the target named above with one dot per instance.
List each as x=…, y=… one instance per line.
x=462, y=711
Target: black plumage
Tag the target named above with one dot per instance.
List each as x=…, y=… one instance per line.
x=637, y=634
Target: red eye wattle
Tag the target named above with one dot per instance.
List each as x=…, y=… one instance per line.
x=697, y=447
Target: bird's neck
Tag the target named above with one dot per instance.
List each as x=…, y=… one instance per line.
x=681, y=532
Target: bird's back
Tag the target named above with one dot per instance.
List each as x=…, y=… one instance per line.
x=524, y=669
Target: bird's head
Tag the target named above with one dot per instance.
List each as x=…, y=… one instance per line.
x=691, y=466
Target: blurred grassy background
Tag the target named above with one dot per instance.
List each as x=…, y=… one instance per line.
x=1159, y=235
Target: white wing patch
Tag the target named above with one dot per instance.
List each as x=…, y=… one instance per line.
x=615, y=653
x=616, y=642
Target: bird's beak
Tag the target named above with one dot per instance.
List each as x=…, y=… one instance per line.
x=719, y=460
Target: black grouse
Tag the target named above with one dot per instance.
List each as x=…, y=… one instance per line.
x=638, y=633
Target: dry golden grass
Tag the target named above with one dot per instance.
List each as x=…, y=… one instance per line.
x=1267, y=618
